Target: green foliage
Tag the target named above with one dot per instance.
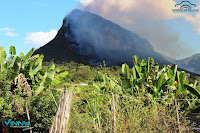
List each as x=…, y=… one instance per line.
x=167, y=82
x=93, y=113
x=92, y=104
x=146, y=115
x=12, y=50
x=58, y=78
x=5, y=99
x=12, y=96
x=112, y=86
x=42, y=110
x=31, y=67
x=2, y=58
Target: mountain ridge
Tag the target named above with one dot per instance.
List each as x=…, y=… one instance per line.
x=86, y=37
x=191, y=63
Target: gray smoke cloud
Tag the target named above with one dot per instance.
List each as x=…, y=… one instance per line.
x=98, y=39
x=146, y=18
x=163, y=39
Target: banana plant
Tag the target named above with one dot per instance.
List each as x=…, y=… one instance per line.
x=3, y=60
x=19, y=64
x=158, y=82
x=12, y=51
x=31, y=67
x=111, y=85
x=140, y=67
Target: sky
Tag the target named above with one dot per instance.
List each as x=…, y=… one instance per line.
x=33, y=23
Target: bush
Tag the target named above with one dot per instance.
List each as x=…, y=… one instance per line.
x=42, y=111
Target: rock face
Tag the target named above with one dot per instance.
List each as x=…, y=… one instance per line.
x=85, y=37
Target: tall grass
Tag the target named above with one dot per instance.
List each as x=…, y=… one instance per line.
x=92, y=113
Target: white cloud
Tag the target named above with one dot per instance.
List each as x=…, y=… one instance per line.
x=194, y=20
x=135, y=12
x=37, y=39
x=8, y=32
x=86, y=2
x=132, y=11
x=6, y=29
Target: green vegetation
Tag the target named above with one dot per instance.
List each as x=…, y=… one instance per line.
x=144, y=94
x=167, y=82
x=23, y=79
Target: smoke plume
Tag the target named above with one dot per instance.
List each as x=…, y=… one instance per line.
x=146, y=18
x=96, y=38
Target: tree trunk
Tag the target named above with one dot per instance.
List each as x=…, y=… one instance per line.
x=61, y=118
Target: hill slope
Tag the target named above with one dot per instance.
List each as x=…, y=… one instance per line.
x=86, y=37
x=191, y=63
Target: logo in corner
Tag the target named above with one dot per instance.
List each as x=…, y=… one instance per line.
x=185, y=7
x=5, y=122
x=9, y=123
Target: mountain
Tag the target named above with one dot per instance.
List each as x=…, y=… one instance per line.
x=168, y=58
x=88, y=38
x=191, y=63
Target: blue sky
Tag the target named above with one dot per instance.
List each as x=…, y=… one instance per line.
x=32, y=23
x=29, y=16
